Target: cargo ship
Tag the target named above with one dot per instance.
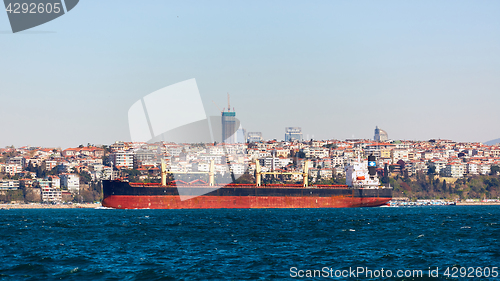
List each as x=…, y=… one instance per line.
x=362, y=189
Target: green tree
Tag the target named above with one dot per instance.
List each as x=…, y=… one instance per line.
x=494, y=169
x=431, y=170
x=85, y=177
x=385, y=177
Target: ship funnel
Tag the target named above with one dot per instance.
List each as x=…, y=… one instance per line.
x=372, y=165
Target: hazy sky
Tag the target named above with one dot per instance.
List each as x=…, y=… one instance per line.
x=417, y=69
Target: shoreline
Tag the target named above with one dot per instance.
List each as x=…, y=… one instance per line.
x=93, y=205
x=478, y=203
x=48, y=206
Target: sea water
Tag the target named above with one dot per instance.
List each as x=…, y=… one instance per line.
x=250, y=244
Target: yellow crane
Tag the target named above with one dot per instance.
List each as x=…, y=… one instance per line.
x=305, y=173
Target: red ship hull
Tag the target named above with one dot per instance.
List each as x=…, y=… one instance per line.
x=123, y=195
x=238, y=202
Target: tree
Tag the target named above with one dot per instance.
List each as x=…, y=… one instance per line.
x=401, y=164
x=385, y=178
x=494, y=170
x=85, y=177
x=245, y=179
x=431, y=170
x=300, y=154
x=405, y=174
x=30, y=167
x=330, y=145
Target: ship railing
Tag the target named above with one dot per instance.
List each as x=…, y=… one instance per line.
x=241, y=185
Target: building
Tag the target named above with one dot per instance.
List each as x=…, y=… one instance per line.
x=18, y=160
x=241, y=135
x=379, y=150
x=12, y=169
x=55, y=180
x=229, y=126
x=484, y=169
x=380, y=135
x=50, y=164
x=315, y=152
x=455, y=170
x=254, y=137
x=50, y=193
x=143, y=156
x=87, y=151
x=9, y=184
x=293, y=134
x=237, y=168
x=71, y=182
x=123, y=160
x=398, y=154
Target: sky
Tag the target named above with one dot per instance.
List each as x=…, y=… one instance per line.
x=417, y=69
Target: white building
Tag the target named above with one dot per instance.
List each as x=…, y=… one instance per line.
x=455, y=170
x=209, y=157
x=123, y=159
x=472, y=169
x=12, y=169
x=484, y=169
x=399, y=154
x=71, y=182
x=238, y=169
x=56, y=181
x=9, y=184
x=49, y=192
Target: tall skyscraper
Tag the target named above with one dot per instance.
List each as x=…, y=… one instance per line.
x=293, y=134
x=229, y=127
x=380, y=135
x=228, y=124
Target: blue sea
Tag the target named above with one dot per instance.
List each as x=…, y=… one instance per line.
x=250, y=244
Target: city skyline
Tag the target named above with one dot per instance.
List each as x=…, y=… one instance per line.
x=421, y=70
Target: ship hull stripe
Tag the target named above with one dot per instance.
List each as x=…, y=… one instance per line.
x=239, y=202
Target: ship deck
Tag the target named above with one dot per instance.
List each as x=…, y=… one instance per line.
x=233, y=185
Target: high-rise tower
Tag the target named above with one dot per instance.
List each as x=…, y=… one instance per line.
x=228, y=124
x=380, y=135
